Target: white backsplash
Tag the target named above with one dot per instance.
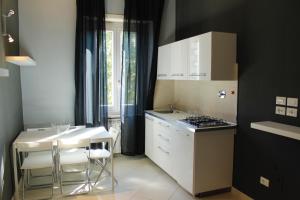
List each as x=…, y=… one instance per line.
x=199, y=97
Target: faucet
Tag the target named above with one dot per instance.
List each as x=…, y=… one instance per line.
x=171, y=107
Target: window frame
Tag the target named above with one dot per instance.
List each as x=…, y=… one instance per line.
x=117, y=29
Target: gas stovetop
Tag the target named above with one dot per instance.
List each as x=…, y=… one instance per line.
x=205, y=122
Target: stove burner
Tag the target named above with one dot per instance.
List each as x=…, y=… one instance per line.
x=204, y=122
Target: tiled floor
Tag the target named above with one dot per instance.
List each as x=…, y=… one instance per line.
x=140, y=179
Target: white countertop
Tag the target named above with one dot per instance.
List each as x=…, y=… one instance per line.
x=173, y=118
x=278, y=129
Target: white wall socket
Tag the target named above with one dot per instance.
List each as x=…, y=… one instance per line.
x=264, y=181
x=292, y=112
x=280, y=110
x=281, y=101
x=293, y=102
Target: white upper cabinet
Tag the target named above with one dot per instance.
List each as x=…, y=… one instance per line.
x=163, y=62
x=199, y=59
x=179, y=60
x=210, y=56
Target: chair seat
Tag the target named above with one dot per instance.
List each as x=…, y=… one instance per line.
x=99, y=153
x=73, y=156
x=38, y=160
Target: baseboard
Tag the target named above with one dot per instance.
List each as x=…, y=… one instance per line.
x=240, y=194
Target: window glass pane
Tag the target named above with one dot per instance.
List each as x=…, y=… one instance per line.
x=110, y=71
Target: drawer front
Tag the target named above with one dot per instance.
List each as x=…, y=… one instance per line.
x=163, y=126
x=161, y=138
x=162, y=157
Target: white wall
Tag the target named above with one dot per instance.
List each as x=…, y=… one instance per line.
x=47, y=33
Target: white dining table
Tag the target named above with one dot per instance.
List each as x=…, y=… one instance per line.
x=74, y=133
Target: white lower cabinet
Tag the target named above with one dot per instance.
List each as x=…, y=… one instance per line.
x=182, y=158
x=171, y=149
x=199, y=162
x=149, y=129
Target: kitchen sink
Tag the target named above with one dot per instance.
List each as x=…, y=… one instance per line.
x=164, y=111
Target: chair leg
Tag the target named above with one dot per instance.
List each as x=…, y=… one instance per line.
x=92, y=169
x=60, y=180
x=23, y=185
x=107, y=171
x=28, y=181
x=88, y=178
x=100, y=174
x=53, y=181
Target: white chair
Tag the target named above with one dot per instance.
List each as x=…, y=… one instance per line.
x=102, y=156
x=31, y=174
x=70, y=153
x=37, y=155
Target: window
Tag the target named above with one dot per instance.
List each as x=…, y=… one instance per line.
x=114, y=36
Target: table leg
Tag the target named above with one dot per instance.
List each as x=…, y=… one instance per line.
x=15, y=172
x=112, y=164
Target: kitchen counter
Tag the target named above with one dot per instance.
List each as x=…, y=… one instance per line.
x=170, y=143
x=172, y=118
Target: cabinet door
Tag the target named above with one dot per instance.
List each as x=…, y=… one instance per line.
x=183, y=154
x=200, y=48
x=149, y=134
x=179, y=60
x=164, y=62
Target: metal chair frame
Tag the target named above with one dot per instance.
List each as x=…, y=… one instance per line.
x=24, y=149
x=61, y=171
x=104, y=162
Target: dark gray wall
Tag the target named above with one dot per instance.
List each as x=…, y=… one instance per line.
x=269, y=65
x=11, y=122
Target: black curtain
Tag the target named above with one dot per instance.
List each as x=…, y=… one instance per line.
x=90, y=64
x=139, y=65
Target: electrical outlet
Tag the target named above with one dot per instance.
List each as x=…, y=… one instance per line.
x=264, y=181
x=293, y=102
x=280, y=110
x=292, y=112
x=281, y=101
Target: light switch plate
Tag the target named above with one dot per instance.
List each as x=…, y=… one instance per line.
x=292, y=112
x=293, y=102
x=264, y=181
x=281, y=101
x=280, y=110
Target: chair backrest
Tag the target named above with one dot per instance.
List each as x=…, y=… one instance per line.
x=115, y=134
x=73, y=143
x=34, y=146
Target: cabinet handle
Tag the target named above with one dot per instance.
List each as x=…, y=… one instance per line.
x=200, y=74
x=149, y=118
x=164, y=138
x=163, y=150
x=162, y=124
x=179, y=74
x=160, y=75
